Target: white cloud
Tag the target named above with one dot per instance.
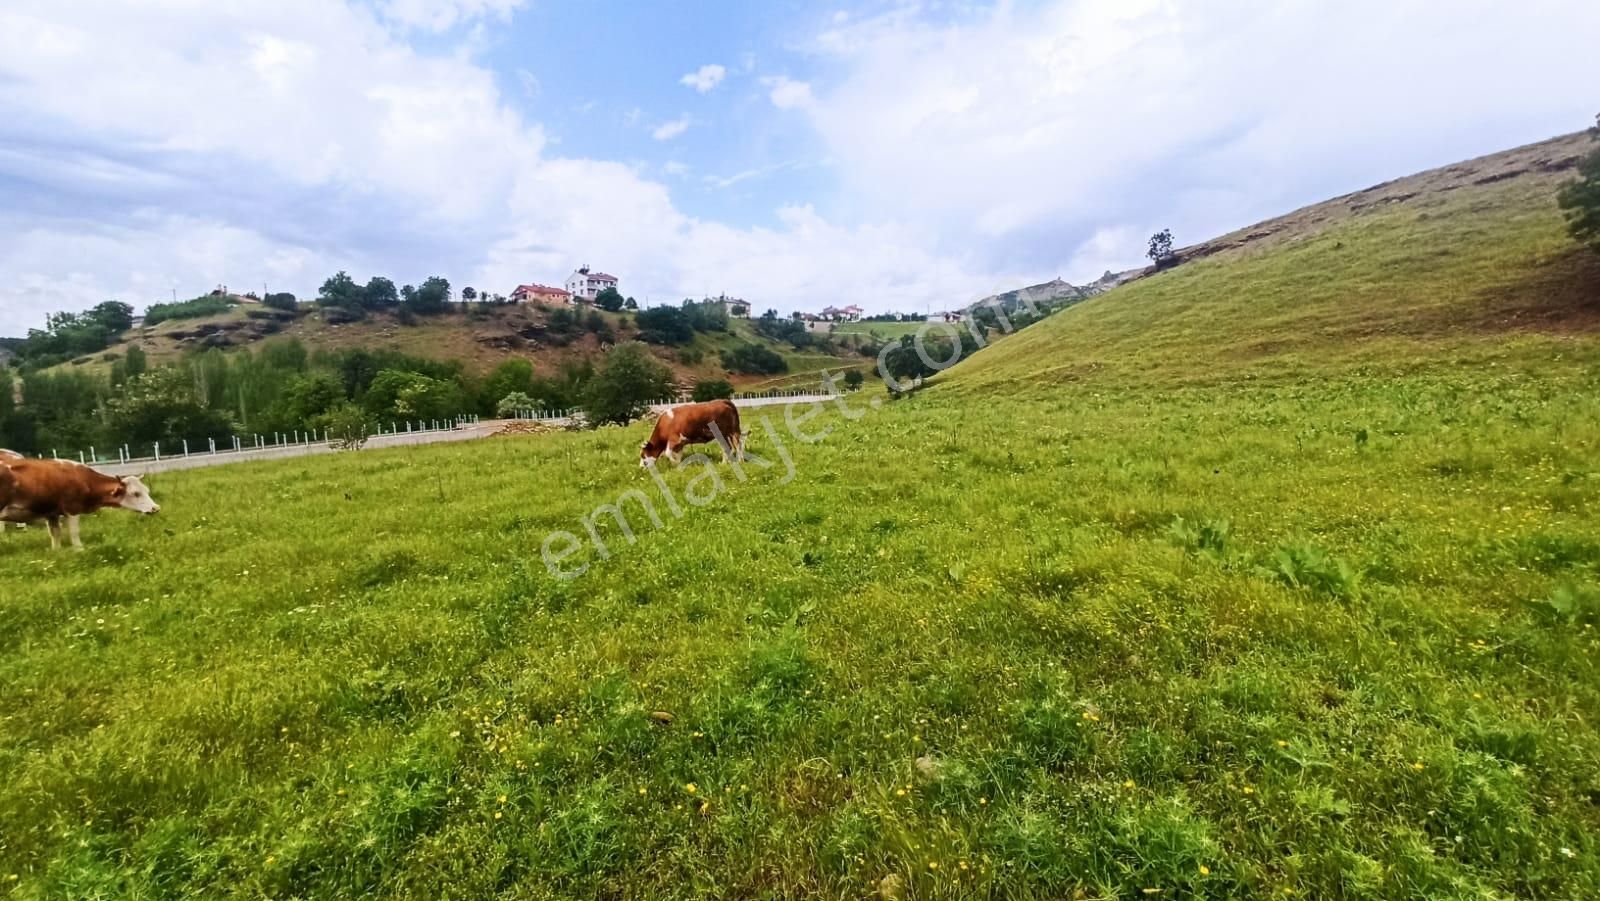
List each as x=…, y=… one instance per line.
x=666, y=131
x=442, y=15
x=786, y=93
x=1033, y=129
x=704, y=78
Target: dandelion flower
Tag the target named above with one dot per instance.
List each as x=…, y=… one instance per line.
x=1205, y=870
x=1128, y=784
x=691, y=788
x=643, y=790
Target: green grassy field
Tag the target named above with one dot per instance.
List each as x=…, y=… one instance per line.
x=1274, y=575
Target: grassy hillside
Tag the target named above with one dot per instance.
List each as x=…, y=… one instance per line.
x=1467, y=262
x=481, y=339
x=1245, y=580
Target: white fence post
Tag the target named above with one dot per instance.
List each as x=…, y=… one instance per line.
x=158, y=451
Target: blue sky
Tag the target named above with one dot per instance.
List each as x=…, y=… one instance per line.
x=895, y=154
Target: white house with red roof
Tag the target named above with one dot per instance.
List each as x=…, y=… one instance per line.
x=851, y=313
x=540, y=294
x=586, y=284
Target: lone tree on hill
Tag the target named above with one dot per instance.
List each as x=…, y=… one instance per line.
x=1160, y=251
x=1581, y=199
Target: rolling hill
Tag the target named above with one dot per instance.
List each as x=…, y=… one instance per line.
x=1271, y=575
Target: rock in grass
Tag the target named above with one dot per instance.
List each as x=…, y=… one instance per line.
x=927, y=767
x=661, y=717
x=891, y=887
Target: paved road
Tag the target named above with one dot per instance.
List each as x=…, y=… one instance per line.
x=403, y=439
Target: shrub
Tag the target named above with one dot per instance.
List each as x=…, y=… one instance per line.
x=1314, y=569
x=712, y=389
x=853, y=379
x=665, y=325
x=628, y=381
x=210, y=305
x=514, y=403
x=754, y=359
x=1581, y=199
x=347, y=426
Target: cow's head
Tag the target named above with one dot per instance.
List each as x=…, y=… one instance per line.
x=130, y=494
x=650, y=450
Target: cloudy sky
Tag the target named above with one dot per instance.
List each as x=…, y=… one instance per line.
x=898, y=155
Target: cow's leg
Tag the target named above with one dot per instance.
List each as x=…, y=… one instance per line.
x=72, y=531
x=54, y=522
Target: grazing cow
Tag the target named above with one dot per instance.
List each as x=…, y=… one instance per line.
x=51, y=489
x=713, y=421
x=6, y=456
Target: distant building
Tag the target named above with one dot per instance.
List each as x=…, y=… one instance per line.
x=733, y=306
x=544, y=294
x=585, y=284
x=954, y=316
x=851, y=313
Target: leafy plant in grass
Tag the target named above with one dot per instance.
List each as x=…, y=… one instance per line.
x=1312, y=568
x=1571, y=604
x=1209, y=538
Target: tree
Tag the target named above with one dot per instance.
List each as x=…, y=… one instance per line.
x=432, y=297
x=1160, y=251
x=630, y=304
x=340, y=290
x=754, y=359
x=114, y=315
x=712, y=389
x=1580, y=199
x=664, y=325
x=514, y=403
x=379, y=294
x=282, y=300
x=609, y=299
x=399, y=394
x=511, y=377
x=471, y=293
x=628, y=381
x=134, y=363
x=853, y=379
x=161, y=406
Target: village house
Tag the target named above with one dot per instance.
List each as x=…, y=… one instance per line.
x=851, y=313
x=736, y=308
x=585, y=284
x=544, y=294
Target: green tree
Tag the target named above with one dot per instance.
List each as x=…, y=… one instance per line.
x=471, y=293
x=431, y=298
x=664, y=325
x=628, y=381
x=514, y=403
x=399, y=394
x=134, y=363
x=630, y=304
x=1160, y=249
x=754, y=359
x=340, y=290
x=511, y=377
x=116, y=316
x=379, y=294
x=853, y=379
x=609, y=299
x=161, y=406
x=712, y=389
x=282, y=300
x=1580, y=199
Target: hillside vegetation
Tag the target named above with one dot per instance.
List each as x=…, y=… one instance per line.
x=1272, y=575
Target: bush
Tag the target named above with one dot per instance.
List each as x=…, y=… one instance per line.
x=754, y=359
x=282, y=300
x=853, y=379
x=628, y=381
x=514, y=403
x=712, y=389
x=347, y=426
x=210, y=305
x=1581, y=199
x=665, y=325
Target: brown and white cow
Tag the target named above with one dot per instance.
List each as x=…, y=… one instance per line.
x=713, y=421
x=32, y=490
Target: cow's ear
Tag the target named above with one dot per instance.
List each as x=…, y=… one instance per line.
x=121, y=490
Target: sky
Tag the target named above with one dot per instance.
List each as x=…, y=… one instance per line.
x=898, y=155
